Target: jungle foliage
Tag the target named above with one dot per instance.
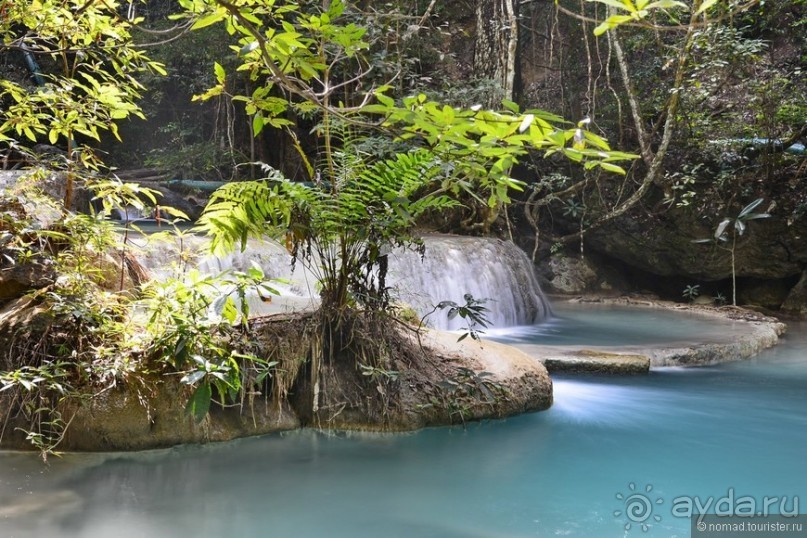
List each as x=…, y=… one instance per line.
x=379, y=147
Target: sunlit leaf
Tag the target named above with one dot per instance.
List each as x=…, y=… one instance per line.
x=208, y=20
x=705, y=5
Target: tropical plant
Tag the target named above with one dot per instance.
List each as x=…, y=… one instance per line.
x=87, y=84
x=190, y=328
x=342, y=231
x=473, y=312
x=356, y=208
x=691, y=292
x=727, y=232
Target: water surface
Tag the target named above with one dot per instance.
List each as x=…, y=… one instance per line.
x=683, y=432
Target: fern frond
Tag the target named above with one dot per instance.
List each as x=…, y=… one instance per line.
x=238, y=211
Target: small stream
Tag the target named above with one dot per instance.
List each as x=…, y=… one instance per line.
x=704, y=432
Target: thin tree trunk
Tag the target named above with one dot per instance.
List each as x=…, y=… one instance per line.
x=653, y=159
x=733, y=271
x=496, y=46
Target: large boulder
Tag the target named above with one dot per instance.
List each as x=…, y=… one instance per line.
x=769, y=257
x=663, y=245
x=569, y=275
x=451, y=382
x=796, y=301
x=20, y=278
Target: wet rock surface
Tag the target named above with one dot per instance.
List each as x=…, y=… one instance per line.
x=752, y=334
x=598, y=362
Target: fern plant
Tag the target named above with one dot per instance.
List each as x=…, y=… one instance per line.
x=342, y=229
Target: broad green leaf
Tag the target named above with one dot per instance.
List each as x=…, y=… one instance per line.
x=510, y=105
x=220, y=74
x=705, y=5
x=213, y=18
x=611, y=22
x=199, y=404
x=229, y=311
x=385, y=100
x=158, y=68
x=612, y=168
x=257, y=124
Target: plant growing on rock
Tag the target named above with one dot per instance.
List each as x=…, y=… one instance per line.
x=727, y=233
x=63, y=329
x=357, y=207
x=473, y=311
x=691, y=292
x=86, y=84
x=195, y=326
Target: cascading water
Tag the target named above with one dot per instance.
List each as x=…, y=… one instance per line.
x=453, y=266
x=486, y=268
x=127, y=214
x=296, y=285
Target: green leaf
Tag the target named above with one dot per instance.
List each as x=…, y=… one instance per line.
x=199, y=404
x=666, y=4
x=220, y=74
x=510, y=105
x=213, y=18
x=158, y=68
x=749, y=208
x=612, y=168
x=229, y=311
x=611, y=22
x=385, y=100
x=705, y=5
x=257, y=124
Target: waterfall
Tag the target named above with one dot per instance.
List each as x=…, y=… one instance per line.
x=490, y=269
x=486, y=268
x=127, y=214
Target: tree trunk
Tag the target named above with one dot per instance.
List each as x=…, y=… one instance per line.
x=496, y=46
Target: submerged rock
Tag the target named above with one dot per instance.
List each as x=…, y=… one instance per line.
x=598, y=362
x=154, y=416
